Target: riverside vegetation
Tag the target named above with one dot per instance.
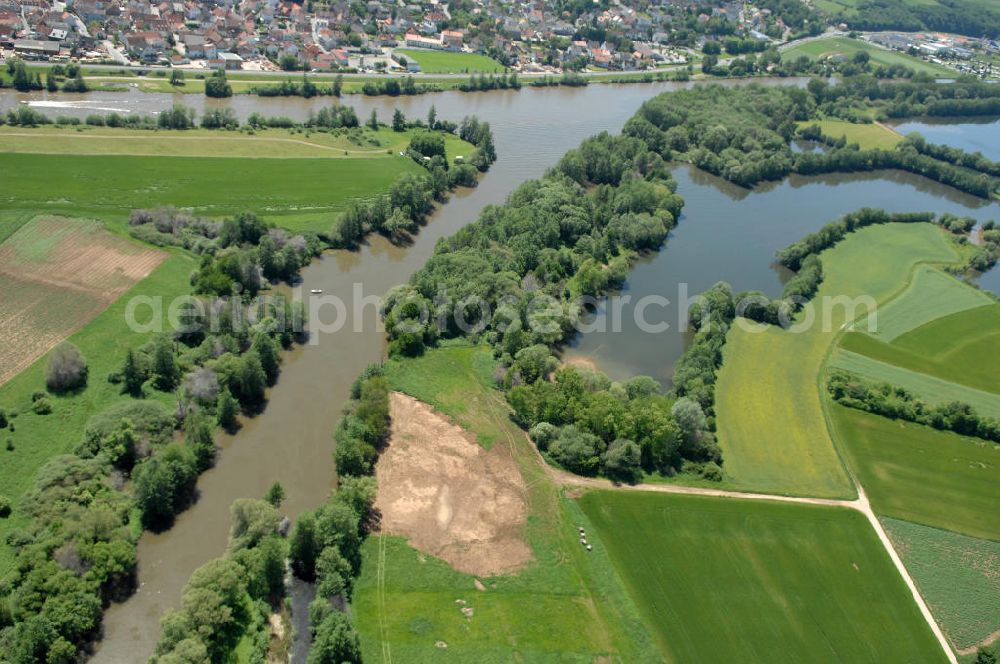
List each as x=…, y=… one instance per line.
x=74, y=544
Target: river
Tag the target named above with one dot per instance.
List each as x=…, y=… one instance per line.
x=725, y=233
x=291, y=441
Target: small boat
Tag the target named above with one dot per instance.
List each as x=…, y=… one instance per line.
x=316, y=291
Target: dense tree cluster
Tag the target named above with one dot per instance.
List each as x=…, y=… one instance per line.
x=232, y=596
x=515, y=278
x=304, y=88
x=695, y=372
x=743, y=134
x=900, y=404
x=964, y=17
x=482, y=82
x=217, y=85
x=589, y=425
x=67, y=369
x=394, y=87
x=411, y=198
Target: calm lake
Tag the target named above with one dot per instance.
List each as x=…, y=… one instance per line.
x=725, y=233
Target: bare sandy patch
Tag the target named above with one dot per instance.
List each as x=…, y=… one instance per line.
x=448, y=496
x=55, y=275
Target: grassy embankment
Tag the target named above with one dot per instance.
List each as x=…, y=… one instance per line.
x=731, y=580
x=302, y=188
x=564, y=606
x=819, y=49
x=771, y=422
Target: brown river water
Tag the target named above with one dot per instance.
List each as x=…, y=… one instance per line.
x=725, y=233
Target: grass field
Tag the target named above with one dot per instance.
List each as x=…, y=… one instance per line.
x=103, y=341
x=445, y=62
x=771, y=421
x=932, y=294
x=722, y=580
x=958, y=576
x=566, y=606
x=928, y=388
x=963, y=348
x=299, y=194
x=55, y=275
x=868, y=136
x=923, y=475
x=269, y=143
x=823, y=48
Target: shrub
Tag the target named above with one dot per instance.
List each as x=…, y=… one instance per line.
x=67, y=369
x=42, y=406
x=5, y=507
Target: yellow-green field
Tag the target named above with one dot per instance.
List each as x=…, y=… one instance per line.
x=771, y=421
x=868, y=136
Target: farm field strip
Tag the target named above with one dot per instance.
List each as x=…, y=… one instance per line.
x=963, y=348
x=55, y=275
x=912, y=472
x=932, y=294
x=756, y=575
x=819, y=48
x=929, y=388
x=957, y=575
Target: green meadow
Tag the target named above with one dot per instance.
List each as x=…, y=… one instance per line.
x=867, y=136
x=818, y=49
x=300, y=194
x=727, y=580
x=963, y=348
x=565, y=606
x=769, y=397
x=928, y=388
x=920, y=474
x=447, y=62
x=957, y=575
x=932, y=294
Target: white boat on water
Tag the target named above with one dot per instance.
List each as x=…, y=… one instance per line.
x=316, y=291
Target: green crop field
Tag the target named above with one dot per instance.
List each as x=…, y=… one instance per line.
x=868, y=136
x=932, y=294
x=726, y=580
x=771, y=423
x=269, y=143
x=957, y=575
x=565, y=606
x=832, y=46
x=963, y=347
x=299, y=194
x=103, y=341
x=920, y=474
x=446, y=62
x=928, y=388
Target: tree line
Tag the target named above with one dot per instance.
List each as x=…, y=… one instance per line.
x=898, y=403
